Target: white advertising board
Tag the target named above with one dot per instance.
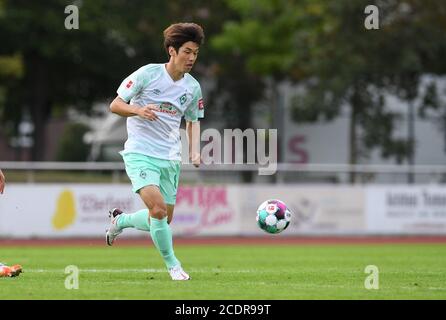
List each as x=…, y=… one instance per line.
x=321, y=209
x=406, y=209
x=81, y=210
x=40, y=210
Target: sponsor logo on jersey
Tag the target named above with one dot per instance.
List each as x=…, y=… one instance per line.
x=200, y=104
x=156, y=91
x=129, y=84
x=168, y=108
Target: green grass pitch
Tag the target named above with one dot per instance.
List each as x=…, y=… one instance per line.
x=406, y=271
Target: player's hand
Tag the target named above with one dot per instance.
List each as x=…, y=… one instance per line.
x=148, y=112
x=195, y=158
x=2, y=182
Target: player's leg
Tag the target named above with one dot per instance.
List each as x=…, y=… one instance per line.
x=160, y=230
x=170, y=208
x=13, y=271
x=138, y=220
x=142, y=172
x=169, y=180
x=5, y=271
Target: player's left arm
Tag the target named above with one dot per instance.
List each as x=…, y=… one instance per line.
x=193, y=114
x=2, y=182
x=193, y=135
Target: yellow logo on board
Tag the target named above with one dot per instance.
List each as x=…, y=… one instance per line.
x=65, y=214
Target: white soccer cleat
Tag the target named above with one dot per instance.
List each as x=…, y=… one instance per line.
x=112, y=232
x=177, y=273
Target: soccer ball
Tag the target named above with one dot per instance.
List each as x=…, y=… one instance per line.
x=273, y=216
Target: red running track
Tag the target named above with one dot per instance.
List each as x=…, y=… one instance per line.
x=265, y=240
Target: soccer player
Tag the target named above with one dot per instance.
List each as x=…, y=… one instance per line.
x=12, y=271
x=16, y=269
x=154, y=99
x=2, y=182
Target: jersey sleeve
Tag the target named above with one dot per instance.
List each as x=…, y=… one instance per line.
x=133, y=84
x=195, y=110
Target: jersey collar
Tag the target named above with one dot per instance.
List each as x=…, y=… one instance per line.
x=169, y=78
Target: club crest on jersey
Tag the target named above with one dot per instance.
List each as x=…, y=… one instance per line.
x=129, y=84
x=183, y=99
x=200, y=104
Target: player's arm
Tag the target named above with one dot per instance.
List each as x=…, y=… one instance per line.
x=130, y=88
x=122, y=108
x=194, y=112
x=2, y=182
x=193, y=136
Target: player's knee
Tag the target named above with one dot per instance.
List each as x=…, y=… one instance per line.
x=159, y=211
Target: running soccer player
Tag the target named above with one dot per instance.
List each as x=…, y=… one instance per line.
x=154, y=99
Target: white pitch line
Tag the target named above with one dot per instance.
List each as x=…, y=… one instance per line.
x=136, y=270
x=418, y=288
x=95, y=270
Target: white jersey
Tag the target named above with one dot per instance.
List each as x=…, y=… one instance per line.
x=152, y=84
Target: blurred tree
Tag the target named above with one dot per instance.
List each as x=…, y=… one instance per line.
x=65, y=68
x=325, y=46
x=261, y=49
x=11, y=71
x=71, y=145
x=360, y=67
x=433, y=106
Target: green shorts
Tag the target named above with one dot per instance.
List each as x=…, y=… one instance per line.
x=145, y=171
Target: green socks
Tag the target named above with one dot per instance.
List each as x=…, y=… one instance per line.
x=159, y=231
x=162, y=238
x=138, y=220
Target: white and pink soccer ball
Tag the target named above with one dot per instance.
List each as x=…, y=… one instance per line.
x=273, y=216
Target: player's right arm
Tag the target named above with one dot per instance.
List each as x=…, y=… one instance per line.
x=122, y=108
x=130, y=88
x=2, y=182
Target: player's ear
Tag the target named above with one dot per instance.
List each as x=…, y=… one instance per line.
x=172, y=51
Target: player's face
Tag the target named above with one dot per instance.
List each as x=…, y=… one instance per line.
x=186, y=56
